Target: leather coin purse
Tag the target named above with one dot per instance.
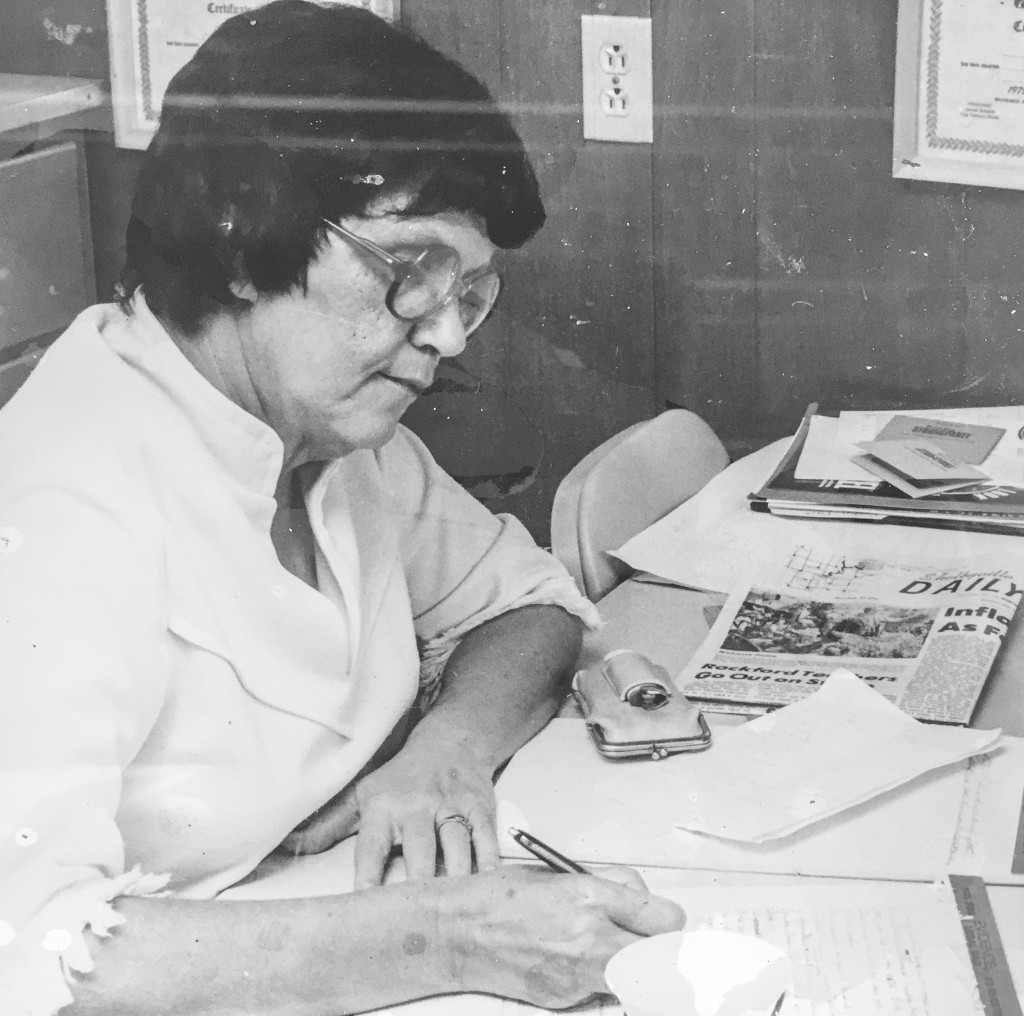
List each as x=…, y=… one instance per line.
x=633, y=710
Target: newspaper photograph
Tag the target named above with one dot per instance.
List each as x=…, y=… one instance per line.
x=923, y=637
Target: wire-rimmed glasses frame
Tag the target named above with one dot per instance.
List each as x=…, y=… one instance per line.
x=424, y=284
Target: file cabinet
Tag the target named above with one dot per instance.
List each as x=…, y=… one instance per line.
x=46, y=265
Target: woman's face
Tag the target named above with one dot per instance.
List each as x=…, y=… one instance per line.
x=331, y=369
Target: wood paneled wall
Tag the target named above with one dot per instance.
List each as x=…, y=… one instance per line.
x=791, y=266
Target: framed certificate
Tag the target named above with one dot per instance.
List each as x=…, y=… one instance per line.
x=150, y=40
x=959, y=105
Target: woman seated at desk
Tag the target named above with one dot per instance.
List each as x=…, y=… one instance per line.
x=219, y=554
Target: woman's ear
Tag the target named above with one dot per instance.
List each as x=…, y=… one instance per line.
x=243, y=290
x=240, y=285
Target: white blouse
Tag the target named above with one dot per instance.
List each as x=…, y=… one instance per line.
x=173, y=702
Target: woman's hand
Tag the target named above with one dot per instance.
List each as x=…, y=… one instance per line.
x=532, y=934
x=412, y=801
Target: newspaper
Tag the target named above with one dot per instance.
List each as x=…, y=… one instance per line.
x=924, y=637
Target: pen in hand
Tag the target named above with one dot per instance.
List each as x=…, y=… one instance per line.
x=551, y=857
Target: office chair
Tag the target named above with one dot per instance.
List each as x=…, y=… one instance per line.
x=624, y=485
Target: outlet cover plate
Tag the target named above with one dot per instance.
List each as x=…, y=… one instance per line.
x=618, y=104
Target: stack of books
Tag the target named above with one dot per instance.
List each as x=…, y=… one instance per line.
x=948, y=468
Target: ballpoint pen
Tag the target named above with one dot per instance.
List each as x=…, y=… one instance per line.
x=551, y=857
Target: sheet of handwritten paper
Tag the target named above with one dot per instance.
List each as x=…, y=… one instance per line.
x=869, y=949
x=781, y=772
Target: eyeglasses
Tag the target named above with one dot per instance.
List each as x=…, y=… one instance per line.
x=426, y=283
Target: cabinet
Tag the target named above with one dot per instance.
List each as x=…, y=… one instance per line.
x=46, y=266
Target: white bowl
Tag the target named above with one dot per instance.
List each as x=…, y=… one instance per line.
x=734, y=975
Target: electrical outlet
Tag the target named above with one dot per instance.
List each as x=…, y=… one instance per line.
x=618, y=85
x=615, y=101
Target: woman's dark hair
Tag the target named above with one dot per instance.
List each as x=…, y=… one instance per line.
x=292, y=112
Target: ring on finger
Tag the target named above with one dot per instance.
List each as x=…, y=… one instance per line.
x=461, y=819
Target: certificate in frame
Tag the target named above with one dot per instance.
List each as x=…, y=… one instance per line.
x=150, y=40
x=959, y=103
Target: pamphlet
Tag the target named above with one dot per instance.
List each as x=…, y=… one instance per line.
x=965, y=441
x=918, y=467
x=924, y=637
x=832, y=442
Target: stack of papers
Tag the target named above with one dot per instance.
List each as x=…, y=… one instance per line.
x=951, y=468
x=715, y=542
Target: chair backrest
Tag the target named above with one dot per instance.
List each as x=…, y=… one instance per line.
x=623, y=486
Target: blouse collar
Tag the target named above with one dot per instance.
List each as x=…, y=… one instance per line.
x=249, y=450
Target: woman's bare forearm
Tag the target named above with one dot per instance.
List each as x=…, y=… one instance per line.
x=516, y=932
x=319, y=956
x=505, y=680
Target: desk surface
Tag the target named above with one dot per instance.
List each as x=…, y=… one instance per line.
x=668, y=624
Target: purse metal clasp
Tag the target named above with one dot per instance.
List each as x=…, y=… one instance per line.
x=636, y=680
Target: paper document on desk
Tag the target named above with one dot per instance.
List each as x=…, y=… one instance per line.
x=713, y=540
x=924, y=636
x=918, y=468
x=832, y=443
x=775, y=775
x=873, y=949
x=1003, y=458
x=962, y=818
